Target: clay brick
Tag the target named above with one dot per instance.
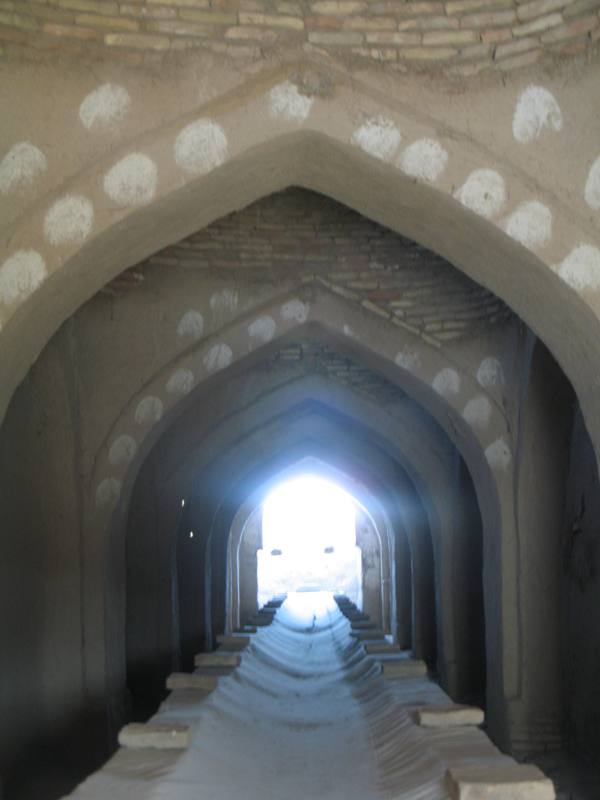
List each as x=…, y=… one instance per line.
x=256, y=34
x=176, y=27
x=364, y=24
x=429, y=53
x=489, y=19
x=208, y=17
x=430, y=24
x=377, y=54
x=576, y=28
x=324, y=23
x=394, y=38
x=20, y=21
x=112, y=23
x=580, y=7
x=539, y=8
x=513, y=48
x=143, y=12
x=91, y=6
x=336, y=38
x=181, y=3
x=538, y=25
x=139, y=41
x=450, y=37
x=338, y=6
x=524, y=60
x=475, y=51
x=468, y=6
x=293, y=9
x=272, y=20
x=418, y=9
x=71, y=31
x=44, y=12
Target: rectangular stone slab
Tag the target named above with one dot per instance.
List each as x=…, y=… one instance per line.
x=448, y=716
x=188, y=680
x=404, y=668
x=233, y=641
x=381, y=648
x=160, y=736
x=370, y=634
x=501, y=782
x=217, y=659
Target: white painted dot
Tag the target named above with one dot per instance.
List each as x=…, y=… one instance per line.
x=108, y=493
x=530, y=224
x=132, y=180
x=122, y=450
x=201, y=147
x=498, y=454
x=378, y=137
x=263, y=329
x=23, y=163
x=409, y=359
x=424, y=159
x=478, y=412
x=224, y=301
x=20, y=276
x=295, y=311
x=536, y=110
x=218, y=357
x=69, y=220
x=490, y=373
x=191, y=325
x=105, y=106
x=447, y=382
x=592, y=186
x=483, y=192
x=286, y=102
x=581, y=268
x=181, y=382
x=148, y=411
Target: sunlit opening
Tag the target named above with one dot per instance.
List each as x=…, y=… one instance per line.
x=309, y=540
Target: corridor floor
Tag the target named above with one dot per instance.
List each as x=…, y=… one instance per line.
x=307, y=714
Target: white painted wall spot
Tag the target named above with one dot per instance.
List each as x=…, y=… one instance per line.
x=581, y=268
x=409, y=359
x=132, y=180
x=20, y=276
x=21, y=166
x=447, y=382
x=424, y=159
x=483, y=192
x=347, y=331
x=262, y=329
x=490, y=373
x=592, y=186
x=378, y=137
x=218, y=357
x=530, y=224
x=225, y=301
x=181, y=382
x=105, y=106
x=535, y=111
x=108, y=493
x=295, y=311
x=69, y=220
x=191, y=325
x=201, y=147
x=286, y=102
x=478, y=412
x=498, y=455
x=149, y=410
x=122, y=450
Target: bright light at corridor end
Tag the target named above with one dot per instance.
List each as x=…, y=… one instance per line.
x=309, y=540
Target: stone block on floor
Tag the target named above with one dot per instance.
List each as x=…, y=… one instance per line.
x=159, y=736
x=381, y=648
x=233, y=641
x=404, y=668
x=189, y=680
x=500, y=782
x=448, y=716
x=218, y=659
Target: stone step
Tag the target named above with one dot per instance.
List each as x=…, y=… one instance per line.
x=381, y=648
x=233, y=641
x=404, y=668
x=217, y=659
x=448, y=716
x=246, y=629
x=156, y=735
x=190, y=680
x=500, y=782
x=371, y=633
